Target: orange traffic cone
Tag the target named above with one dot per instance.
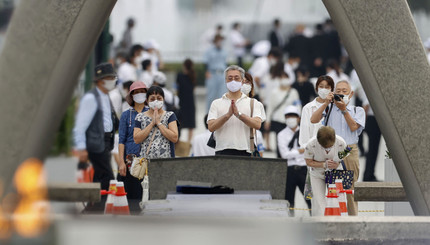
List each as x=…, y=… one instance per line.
x=120, y=204
x=342, y=197
x=332, y=207
x=110, y=197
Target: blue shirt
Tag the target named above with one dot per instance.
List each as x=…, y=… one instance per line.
x=87, y=110
x=126, y=128
x=215, y=59
x=338, y=123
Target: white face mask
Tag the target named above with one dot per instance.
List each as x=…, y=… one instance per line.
x=323, y=93
x=139, y=98
x=109, y=84
x=272, y=62
x=156, y=104
x=285, y=82
x=246, y=89
x=234, y=86
x=328, y=149
x=291, y=122
x=346, y=99
x=295, y=65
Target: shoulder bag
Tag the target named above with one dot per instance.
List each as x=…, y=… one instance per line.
x=254, y=150
x=140, y=164
x=345, y=175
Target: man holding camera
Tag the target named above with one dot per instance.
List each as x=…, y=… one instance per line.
x=348, y=122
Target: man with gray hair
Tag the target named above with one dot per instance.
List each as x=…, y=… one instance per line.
x=348, y=121
x=233, y=134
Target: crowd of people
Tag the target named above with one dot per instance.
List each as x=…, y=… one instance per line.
x=312, y=119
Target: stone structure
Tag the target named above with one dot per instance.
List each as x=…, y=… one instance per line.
x=47, y=45
x=384, y=46
x=240, y=173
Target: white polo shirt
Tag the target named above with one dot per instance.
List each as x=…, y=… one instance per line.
x=234, y=134
x=316, y=152
x=308, y=129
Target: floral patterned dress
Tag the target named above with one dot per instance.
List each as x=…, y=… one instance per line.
x=161, y=147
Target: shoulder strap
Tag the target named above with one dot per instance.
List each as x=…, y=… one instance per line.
x=251, y=130
x=150, y=142
x=343, y=165
x=282, y=102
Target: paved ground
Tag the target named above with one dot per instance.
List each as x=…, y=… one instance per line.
x=63, y=169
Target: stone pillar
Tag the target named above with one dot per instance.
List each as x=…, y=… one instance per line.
x=384, y=47
x=47, y=45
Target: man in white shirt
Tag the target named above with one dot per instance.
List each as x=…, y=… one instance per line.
x=232, y=134
x=321, y=153
x=289, y=148
x=239, y=43
x=199, y=145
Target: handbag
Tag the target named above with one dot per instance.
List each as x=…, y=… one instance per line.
x=347, y=176
x=254, y=150
x=211, y=141
x=140, y=164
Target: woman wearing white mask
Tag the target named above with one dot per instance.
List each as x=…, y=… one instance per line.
x=127, y=148
x=156, y=128
x=281, y=96
x=324, y=88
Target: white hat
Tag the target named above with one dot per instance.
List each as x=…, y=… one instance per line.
x=261, y=48
x=151, y=44
x=159, y=78
x=292, y=110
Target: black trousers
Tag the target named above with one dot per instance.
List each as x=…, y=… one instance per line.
x=102, y=174
x=133, y=188
x=232, y=152
x=296, y=177
x=374, y=134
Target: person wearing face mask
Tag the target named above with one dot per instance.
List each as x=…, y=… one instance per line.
x=156, y=130
x=281, y=96
x=95, y=126
x=324, y=86
x=215, y=61
x=230, y=116
x=289, y=148
x=127, y=148
x=348, y=122
x=321, y=153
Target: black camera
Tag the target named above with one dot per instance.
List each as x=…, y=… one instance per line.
x=338, y=97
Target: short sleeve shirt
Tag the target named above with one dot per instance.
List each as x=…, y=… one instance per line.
x=161, y=147
x=316, y=152
x=234, y=134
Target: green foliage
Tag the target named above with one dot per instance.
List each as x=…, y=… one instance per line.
x=63, y=139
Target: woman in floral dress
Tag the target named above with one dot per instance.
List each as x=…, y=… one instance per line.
x=156, y=130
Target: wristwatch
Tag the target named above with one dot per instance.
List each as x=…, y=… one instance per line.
x=239, y=114
x=343, y=112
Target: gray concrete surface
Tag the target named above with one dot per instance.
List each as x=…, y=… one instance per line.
x=74, y=192
x=387, y=52
x=379, y=192
x=240, y=173
x=47, y=45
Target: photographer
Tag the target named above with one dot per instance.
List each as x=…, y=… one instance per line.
x=348, y=122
